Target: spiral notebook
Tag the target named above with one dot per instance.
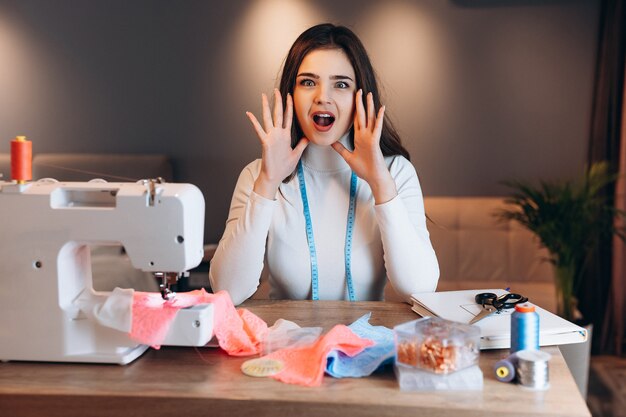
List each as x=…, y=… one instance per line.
x=495, y=330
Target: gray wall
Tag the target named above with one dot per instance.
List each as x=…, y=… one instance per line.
x=481, y=90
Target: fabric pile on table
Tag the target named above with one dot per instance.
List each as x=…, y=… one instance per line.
x=345, y=351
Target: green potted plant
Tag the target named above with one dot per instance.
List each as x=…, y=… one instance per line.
x=569, y=218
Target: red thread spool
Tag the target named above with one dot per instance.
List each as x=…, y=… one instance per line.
x=21, y=159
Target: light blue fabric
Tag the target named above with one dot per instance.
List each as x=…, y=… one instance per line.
x=341, y=365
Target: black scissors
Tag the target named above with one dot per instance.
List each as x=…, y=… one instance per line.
x=491, y=303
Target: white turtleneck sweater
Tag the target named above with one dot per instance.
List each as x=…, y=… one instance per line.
x=390, y=240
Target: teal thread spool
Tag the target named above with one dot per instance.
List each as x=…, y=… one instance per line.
x=524, y=328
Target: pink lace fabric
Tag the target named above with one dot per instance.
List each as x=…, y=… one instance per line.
x=305, y=365
x=239, y=332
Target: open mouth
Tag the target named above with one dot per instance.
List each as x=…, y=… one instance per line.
x=323, y=121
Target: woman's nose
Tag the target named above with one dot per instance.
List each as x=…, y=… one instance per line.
x=322, y=95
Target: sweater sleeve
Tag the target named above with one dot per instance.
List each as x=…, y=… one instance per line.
x=238, y=261
x=410, y=260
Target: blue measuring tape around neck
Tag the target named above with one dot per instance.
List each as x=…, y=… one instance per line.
x=311, y=240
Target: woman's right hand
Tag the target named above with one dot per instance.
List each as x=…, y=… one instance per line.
x=279, y=160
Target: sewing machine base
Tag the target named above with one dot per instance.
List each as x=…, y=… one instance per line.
x=121, y=357
x=193, y=326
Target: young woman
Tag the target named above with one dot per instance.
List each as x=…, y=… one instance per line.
x=334, y=206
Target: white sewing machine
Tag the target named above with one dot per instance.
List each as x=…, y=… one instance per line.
x=45, y=266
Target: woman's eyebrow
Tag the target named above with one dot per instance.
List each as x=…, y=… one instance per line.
x=332, y=77
x=309, y=74
x=340, y=77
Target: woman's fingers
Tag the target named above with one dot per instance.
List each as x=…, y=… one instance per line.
x=300, y=147
x=267, y=116
x=378, y=127
x=370, y=111
x=365, y=119
x=257, y=126
x=341, y=150
x=359, y=116
x=278, y=109
x=288, y=113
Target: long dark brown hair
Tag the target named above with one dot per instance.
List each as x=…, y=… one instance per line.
x=329, y=36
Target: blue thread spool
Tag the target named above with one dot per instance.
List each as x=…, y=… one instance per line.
x=524, y=328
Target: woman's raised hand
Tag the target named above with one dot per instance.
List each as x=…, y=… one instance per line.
x=367, y=160
x=278, y=158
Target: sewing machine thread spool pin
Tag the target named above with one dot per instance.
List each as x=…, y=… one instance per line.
x=151, y=188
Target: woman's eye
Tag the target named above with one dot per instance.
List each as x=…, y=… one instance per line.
x=307, y=83
x=342, y=84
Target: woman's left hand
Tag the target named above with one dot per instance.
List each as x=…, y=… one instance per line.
x=367, y=160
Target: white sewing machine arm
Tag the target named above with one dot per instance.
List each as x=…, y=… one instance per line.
x=45, y=265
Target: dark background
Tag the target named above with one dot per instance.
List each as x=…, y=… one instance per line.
x=481, y=90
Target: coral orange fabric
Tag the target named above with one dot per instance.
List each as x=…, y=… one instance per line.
x=305, y=365
x=238, y=331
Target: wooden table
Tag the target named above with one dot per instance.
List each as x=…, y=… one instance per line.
x=206, y=382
